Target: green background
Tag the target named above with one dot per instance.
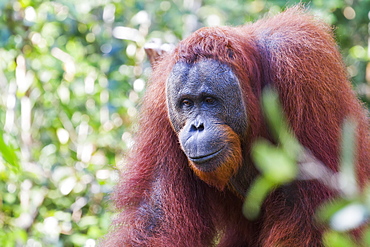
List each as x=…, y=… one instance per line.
x=72, y=74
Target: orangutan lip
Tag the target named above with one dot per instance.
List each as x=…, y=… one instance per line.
x=204, y=158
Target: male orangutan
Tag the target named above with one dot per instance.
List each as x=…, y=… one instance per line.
x=191, y=168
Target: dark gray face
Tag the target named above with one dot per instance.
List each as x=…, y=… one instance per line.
x=205, y=104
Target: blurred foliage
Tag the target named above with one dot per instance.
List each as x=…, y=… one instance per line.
x=71, y=76
x=280, y=165
x=287, y=160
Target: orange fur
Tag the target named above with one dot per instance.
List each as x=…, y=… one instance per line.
x=232, y=162
x=163, y=202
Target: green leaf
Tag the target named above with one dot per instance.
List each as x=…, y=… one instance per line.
x=326, y=211
x=277, y=122
x=336, y=239
x=255, y=197
x=348, y=178
x=273, y=162
x=8, y=153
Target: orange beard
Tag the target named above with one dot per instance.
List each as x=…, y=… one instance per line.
x=229, y=162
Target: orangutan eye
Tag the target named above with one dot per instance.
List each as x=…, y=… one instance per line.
x=187, y=103
x=210, y=100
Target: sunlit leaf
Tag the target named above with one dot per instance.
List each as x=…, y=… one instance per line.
x=335, y=239
x=9, y=154
x=273, y=162
x=255, y=197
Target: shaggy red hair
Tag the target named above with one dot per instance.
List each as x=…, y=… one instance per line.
x=161, y=201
